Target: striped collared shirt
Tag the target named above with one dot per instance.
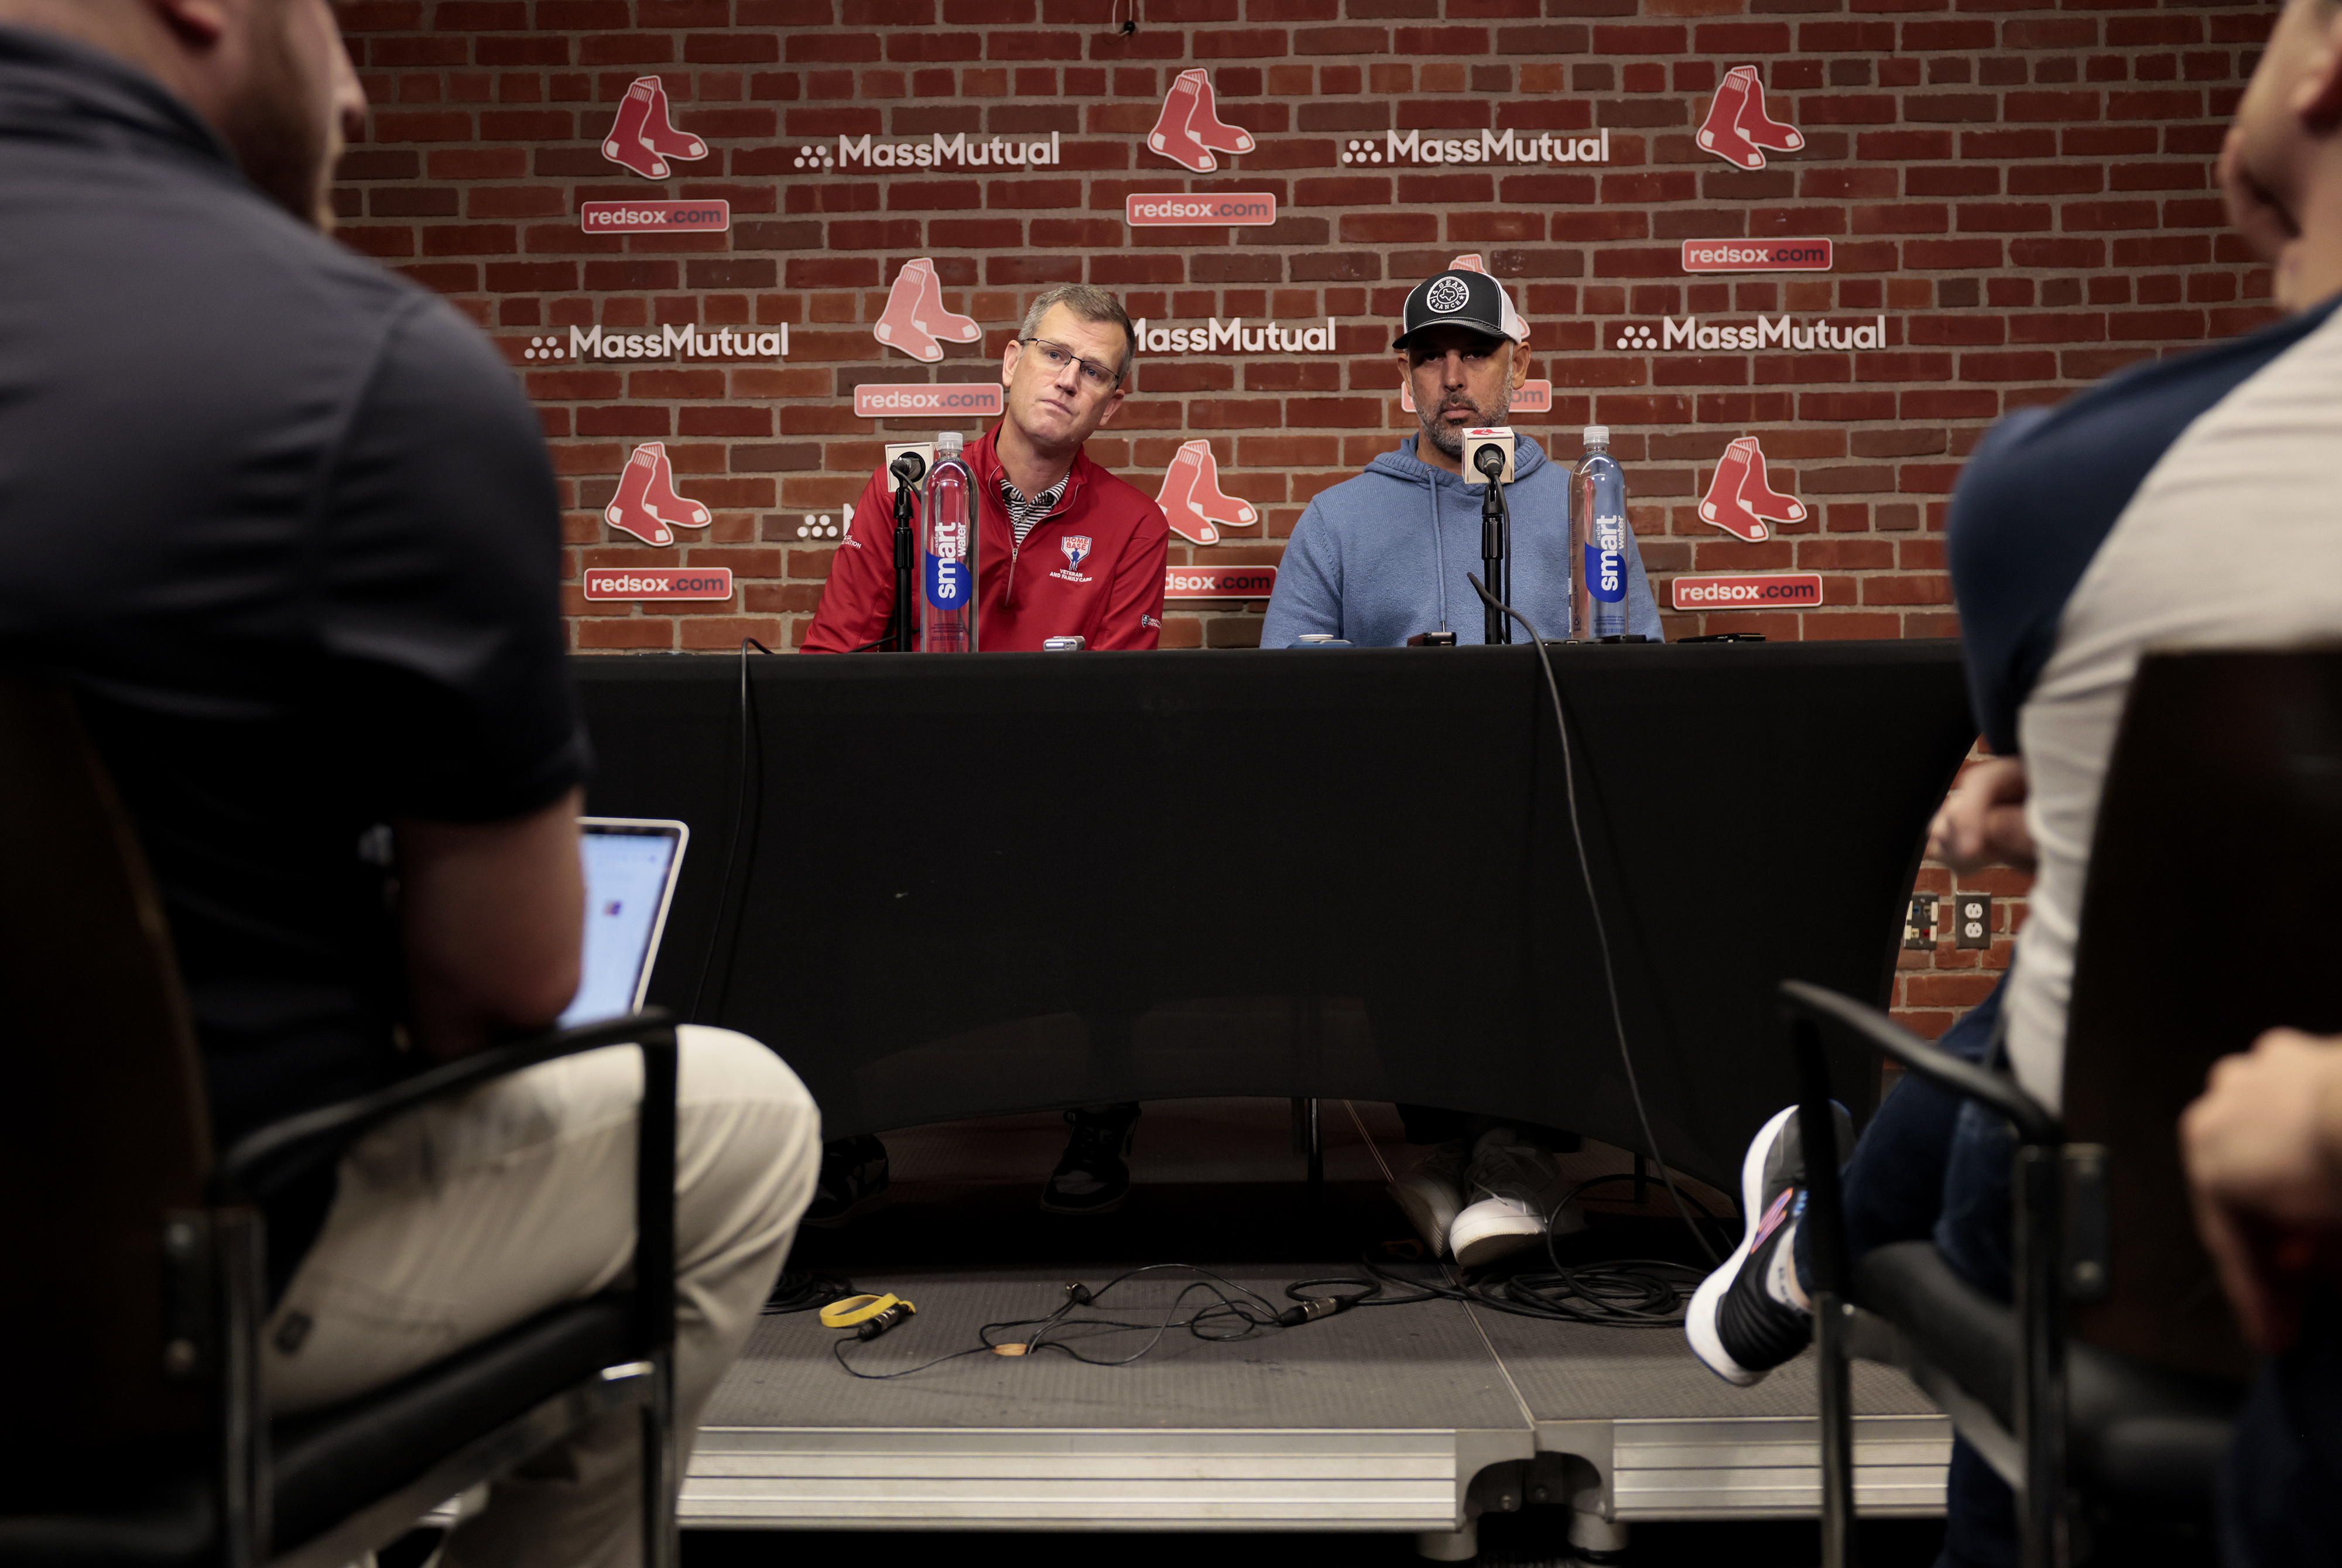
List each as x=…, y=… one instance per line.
x=1024, y=514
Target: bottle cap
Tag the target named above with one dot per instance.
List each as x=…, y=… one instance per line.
x=947, y=442
x=1598, y=436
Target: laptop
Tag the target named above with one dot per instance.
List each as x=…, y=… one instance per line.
x=631, y=865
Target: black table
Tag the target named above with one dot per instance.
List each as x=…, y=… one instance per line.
x=988, y=882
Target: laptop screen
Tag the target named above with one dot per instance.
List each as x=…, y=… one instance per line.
x=630, y=869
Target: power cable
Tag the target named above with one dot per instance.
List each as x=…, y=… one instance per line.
x=1601, y=928
x=1237, y=1311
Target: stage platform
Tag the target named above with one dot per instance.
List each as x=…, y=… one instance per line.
x=1411, y=1418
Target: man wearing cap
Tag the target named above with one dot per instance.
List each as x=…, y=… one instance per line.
x=1378, y=558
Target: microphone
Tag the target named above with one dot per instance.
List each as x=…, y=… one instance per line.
x=1488, y=457
x=908, y=469
x=1482, y=443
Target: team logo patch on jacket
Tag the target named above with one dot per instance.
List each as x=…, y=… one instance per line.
x=1076, y=548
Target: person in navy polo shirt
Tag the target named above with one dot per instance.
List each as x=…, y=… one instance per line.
x=283, y=525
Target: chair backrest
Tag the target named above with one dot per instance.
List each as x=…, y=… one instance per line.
x=2213, y=912
x=103, y=1123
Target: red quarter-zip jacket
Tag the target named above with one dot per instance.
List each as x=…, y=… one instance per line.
x=1093, y=568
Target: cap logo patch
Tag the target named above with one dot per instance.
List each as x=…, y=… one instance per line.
x=1447, y=295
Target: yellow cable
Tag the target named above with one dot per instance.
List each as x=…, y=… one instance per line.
x=861, y=1309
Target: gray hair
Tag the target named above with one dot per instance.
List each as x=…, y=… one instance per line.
x=1091, y=304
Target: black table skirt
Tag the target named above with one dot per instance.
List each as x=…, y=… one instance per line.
x=971, y=885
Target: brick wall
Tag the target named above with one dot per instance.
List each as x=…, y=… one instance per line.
x=2022, y=189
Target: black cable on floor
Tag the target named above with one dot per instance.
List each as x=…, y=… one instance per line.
x=1238, y=1312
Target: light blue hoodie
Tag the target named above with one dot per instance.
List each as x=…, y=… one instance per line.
x=1380, y=557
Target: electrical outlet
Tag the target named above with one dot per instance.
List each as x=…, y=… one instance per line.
x=1920, y=922
x=1972, y=920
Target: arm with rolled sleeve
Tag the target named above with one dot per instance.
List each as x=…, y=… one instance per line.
x=1132, y=617
x=1307, y=598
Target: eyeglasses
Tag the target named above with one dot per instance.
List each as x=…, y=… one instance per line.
x=1056, y=356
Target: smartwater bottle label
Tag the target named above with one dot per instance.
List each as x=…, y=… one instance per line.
x=947, y=583
x=1605, y=560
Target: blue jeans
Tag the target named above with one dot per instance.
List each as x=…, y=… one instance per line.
x=1932, y=1166
x=2279, y=1505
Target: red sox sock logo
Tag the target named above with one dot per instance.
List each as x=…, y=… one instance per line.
x=1740, y=498
x=646, y=504
x=1191, y=497
x=1738, y=128
x=1190, y=130
x=644, y=136
x=916, y=320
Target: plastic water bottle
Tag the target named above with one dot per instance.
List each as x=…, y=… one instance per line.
x=947, y=554
x=1597, y=513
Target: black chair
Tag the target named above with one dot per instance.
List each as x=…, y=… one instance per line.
x=2107, y=1390
x=133, y=1301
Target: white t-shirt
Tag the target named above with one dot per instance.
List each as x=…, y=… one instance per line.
x=2233, y=540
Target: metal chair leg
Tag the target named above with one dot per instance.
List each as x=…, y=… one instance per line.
x=1832, y=1372
x=661, y=1544
x=247, y=1530
x=2042, y=1541
x=1825, y=1216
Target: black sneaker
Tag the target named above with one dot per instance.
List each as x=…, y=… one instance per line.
x=1091, y=1178
x=1739, y=1326
x=853, y=1182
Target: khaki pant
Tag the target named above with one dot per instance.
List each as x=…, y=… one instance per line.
x=462, y=1219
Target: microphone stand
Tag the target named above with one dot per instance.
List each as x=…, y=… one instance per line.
x=1495, y=549
x=904, y=552
x=907, y=470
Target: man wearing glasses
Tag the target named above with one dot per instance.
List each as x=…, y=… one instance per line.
x=1063, y=549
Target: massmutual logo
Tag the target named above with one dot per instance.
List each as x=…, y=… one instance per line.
x=1766, y=332
x=1481, y=147
x=936, y=151
x=663, y=342
x=1233, y=336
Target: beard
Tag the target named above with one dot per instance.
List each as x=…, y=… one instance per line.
x=281, y=123
x=1449, y=438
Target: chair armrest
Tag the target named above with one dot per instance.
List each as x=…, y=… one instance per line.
x=262, y=1160
x=276, y=1152
x=2033, y=1120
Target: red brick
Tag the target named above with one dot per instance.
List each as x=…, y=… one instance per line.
x=2026, y=236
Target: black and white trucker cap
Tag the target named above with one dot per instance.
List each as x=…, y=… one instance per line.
x=1460, y=297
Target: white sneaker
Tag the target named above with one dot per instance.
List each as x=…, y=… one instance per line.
x=1519, y=1197
x=1432, y=1191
